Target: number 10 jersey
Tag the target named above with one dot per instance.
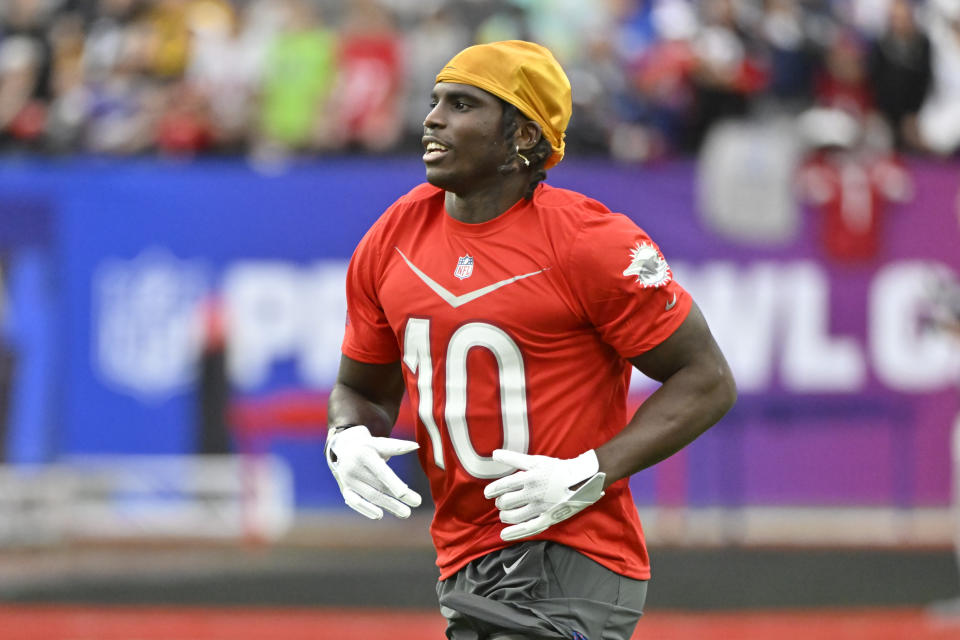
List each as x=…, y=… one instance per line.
x=513, y=333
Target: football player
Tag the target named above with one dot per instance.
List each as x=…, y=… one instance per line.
x=513, y=312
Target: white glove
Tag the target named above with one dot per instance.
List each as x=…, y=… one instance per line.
x=358, y=462
x=539, y=495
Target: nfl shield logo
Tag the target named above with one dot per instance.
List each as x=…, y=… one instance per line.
x=464, y=267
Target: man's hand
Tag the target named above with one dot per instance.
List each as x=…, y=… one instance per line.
x=358, y=462
x=541, y=494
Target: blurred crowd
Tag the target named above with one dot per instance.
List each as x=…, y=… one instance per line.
x=269, y=78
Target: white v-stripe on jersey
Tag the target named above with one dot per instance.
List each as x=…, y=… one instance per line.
x=456, y=301
x=513, y=333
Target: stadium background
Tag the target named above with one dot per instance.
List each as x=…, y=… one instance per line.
x=182, y=182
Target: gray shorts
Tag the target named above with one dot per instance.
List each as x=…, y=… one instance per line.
x=540, y=589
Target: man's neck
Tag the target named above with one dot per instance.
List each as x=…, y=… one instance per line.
x=484, y=204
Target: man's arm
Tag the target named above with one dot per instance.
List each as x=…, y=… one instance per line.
x=361, y=411
x=697, y=390
x=368, y=394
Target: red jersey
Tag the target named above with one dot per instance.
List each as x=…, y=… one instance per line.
x=852, y=192
x=513, y=333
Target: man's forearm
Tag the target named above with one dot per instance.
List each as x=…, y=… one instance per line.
x=348, y=406
x=687, y=404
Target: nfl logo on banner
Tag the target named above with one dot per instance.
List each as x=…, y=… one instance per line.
x=464, y=267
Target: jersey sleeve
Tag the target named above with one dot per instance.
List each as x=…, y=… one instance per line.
x=368, y=336
x=625, y=286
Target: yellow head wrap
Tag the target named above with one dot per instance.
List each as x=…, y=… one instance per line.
x=524, y=74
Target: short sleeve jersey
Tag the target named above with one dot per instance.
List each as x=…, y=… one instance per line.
x=513, y=333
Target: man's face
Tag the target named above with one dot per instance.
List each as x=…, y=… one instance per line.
x=463, y=138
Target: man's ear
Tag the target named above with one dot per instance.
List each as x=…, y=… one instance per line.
x=528, y=134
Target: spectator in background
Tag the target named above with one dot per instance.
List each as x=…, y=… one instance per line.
x=843, y=82
x=25, y=69
x=185, y=127
x=114, y=106
x=661, y=78
x=69, y=102
x=567, y=27
x=601, y=90
x=170, y=32
x=726, y=72
x=900, y=73
x=125, y=98
x=225, y=66
x=298, y=76
x=107, y=35
x=501, y=20
x=221, y=70
x=851, y=184
x=367, y=112
x=792, y=54
x=428, y=45
x=939, y=119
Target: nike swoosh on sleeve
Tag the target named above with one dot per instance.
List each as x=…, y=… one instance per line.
x=457, y=301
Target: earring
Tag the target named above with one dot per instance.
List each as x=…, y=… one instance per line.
x=525, y=159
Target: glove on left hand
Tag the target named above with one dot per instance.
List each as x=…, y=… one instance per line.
x=540, y=495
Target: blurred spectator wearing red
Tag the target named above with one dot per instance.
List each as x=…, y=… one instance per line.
x=849, y=183
x=185, y=128
x=367, y=109
x=843, y=81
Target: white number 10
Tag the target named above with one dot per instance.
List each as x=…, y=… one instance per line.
x=513, y=393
